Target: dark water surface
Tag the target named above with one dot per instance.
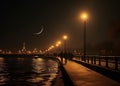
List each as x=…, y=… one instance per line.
x=16, y=71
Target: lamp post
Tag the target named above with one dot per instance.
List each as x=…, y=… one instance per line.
x=65, y=38
x=58, y=46
x=65, y=51
x=58, y=43
x=84, y=16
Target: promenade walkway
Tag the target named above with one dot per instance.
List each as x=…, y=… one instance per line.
x=82, y=76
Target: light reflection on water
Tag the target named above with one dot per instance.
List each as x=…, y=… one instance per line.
x=3, y=73
x=27, y=71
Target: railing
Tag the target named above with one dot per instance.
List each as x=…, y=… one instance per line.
x=111, y=62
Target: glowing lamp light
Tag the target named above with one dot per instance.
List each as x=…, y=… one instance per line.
x=52, y=46
x=59, y=42
x=65, y=37
x=84, y=16
x=57, y=45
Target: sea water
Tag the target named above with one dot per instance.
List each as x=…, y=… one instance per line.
x=27, y=71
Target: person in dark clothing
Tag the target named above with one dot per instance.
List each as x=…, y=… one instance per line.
x=61, y=56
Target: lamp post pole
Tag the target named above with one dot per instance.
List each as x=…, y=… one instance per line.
x=65, y=47
x=84, y=52
x=84, y=16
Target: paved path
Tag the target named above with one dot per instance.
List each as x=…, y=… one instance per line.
x=82, y=76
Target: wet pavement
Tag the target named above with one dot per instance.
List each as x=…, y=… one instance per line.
x=82, y=76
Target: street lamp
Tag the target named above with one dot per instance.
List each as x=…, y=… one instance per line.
x=59, y=42
x=84, y=16
x=65, y=53
x=65, y=37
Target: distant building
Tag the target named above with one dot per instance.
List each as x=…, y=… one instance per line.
x=0, y=51
x=24, y=51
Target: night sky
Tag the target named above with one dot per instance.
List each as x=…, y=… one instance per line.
x=20, y=19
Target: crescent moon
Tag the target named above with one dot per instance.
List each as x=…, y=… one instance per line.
x=38, y=33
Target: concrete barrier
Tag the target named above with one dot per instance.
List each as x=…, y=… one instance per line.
x=63, y=78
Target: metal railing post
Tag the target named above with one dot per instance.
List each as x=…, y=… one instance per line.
x=91, y=60
x=116, y=63
x=94, y=60
x=99, y=61
x=106, y=60
x=88, y=59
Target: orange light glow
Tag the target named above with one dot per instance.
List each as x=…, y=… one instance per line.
x=84, y=16
x=57, y=45
x=59, y=42
x=65, y=37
